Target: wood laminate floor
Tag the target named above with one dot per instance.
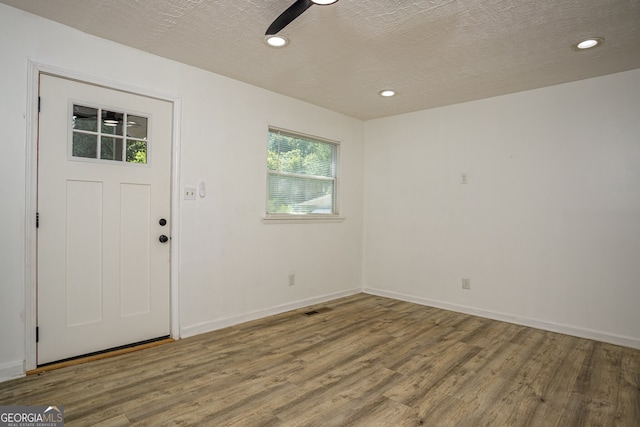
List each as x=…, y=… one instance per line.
x=369, y=361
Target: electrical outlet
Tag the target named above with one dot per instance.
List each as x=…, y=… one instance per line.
x=292, y=279
x=466, y=283
x=189, y=193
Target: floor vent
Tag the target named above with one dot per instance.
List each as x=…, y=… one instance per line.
x=317, y=311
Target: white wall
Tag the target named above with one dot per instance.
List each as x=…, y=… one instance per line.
x=548, y=226
x=232, y=266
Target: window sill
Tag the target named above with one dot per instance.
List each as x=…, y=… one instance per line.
x=301, y=219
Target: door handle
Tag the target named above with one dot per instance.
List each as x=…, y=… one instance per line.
x=163, y=239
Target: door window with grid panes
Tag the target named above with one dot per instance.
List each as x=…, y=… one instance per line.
x=107, y=134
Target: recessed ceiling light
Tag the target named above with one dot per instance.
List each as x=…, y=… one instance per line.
x=387, y=93
x=276, y=40
x=324, y=2
x=589, y=43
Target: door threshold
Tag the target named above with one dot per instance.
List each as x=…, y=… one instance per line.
x=98, y=356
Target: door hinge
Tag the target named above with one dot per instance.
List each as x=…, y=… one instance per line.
x=37, y=333
x=37, y=219
x=39, y=104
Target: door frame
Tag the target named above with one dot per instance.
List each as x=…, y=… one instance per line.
x=31, y=190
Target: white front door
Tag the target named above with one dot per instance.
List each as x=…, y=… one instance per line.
x=104, y=172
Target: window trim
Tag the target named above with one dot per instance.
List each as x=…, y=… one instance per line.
x=301, y=219
x=288, y=218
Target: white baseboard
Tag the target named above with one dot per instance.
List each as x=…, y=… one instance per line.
x=11, y=370
x=201, y=328
x=519, y=320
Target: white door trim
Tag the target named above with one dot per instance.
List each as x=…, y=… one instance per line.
x=31, y=190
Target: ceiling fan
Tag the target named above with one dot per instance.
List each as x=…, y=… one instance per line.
x=295, y=10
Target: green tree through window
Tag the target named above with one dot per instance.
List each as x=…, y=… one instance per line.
x=301, y=174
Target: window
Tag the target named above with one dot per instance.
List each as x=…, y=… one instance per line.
x=301, y=174
x=98, y=133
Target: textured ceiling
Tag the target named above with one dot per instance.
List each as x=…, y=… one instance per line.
x=432, y=52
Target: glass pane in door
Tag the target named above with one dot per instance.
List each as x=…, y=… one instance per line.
x=112, y=122
x=136, y=127
x=85, y=118
x=111, y=148
x=85, y=145
x=136, y=151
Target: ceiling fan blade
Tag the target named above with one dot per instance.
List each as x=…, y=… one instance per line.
x=288, y=16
